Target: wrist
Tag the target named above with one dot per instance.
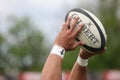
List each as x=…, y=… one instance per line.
x=81, y=61
x=58, y=50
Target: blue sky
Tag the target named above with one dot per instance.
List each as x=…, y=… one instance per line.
x=48, y=15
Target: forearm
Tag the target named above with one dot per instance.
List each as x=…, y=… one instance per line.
x=52, y=68
x=65, y=41
x=78, y=73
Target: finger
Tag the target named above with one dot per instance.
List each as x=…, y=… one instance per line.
x=63, y=27
x=67, y=26
x=79, y=29
x=80, y=43
x=74, y=23
x=85, y=54
x=100, y=52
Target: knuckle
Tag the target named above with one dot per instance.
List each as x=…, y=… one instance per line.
x=63, y=25
x=73, y=47
x=73, y=23
x=69, y=32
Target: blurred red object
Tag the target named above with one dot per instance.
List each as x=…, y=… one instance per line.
x=36, y=76
x=2, y=77
x=30, y=76
x=112, y=75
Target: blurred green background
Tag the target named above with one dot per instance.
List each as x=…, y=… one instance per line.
x=24, y=47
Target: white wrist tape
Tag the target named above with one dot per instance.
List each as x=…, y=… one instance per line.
x=82, y=62
x=58, y=50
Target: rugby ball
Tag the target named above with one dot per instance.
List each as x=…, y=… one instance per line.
x=93, y=33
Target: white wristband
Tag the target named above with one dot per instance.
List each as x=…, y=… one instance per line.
x=58, y=50
x=82, y=62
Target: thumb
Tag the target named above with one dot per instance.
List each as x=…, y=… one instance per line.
x=80, y=43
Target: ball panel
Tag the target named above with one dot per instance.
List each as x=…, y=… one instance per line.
x=88, y=30
x=97, y=24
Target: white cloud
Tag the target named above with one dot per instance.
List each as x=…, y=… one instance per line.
x=46, y=13
x=37, y=9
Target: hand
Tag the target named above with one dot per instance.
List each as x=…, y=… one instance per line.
x=85, y=54
x=67, y=36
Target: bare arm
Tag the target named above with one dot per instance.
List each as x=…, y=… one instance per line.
x=79, y=71
x=67, y=41
x=52, y=68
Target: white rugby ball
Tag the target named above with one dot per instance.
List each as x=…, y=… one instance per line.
x=93, y=33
